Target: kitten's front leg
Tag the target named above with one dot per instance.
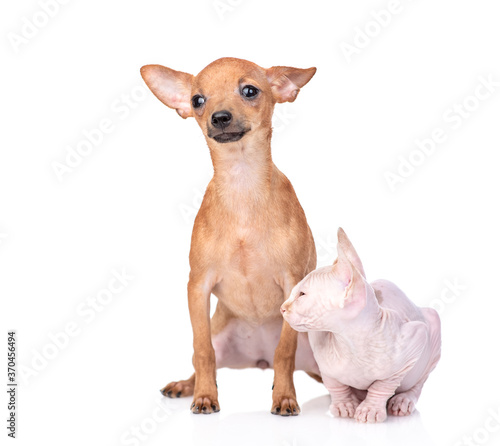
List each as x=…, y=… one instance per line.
x=344, y=401
x=373, y=408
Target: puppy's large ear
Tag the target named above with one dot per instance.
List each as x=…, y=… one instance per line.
x=287, y=81
x=345, y=244
x=171, y=87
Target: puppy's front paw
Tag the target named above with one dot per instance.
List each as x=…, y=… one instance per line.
x=205, y=405
x=401, y=405
x=367, y=413
x=285, y=406
x=344, y=409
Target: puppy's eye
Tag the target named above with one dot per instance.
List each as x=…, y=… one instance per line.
x=249, y=91
x=302, y=294
x=197, y=101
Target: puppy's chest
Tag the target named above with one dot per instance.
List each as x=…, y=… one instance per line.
x=247, y=270
x=248, y=251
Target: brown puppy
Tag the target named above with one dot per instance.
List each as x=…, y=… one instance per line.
x=251, y=243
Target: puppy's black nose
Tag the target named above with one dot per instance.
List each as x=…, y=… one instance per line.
x=221, y=119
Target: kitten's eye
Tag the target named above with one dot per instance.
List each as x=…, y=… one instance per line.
x=249, y=91
x=197, y=101
x=302, y=294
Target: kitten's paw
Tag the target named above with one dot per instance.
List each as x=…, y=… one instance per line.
x=401, y=405
x=344, y=409
x=366, y=413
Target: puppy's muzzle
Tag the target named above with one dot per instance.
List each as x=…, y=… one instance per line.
x=222, y=120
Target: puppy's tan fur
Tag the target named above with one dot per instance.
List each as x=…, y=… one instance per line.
x=251, y=243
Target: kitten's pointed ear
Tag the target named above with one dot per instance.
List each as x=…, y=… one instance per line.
x=347, y=247
x=354, y=283
x=171, y=87
x=356, y=294
x=286, y=82
x=342, y=268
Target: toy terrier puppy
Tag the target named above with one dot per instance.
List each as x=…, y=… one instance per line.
x=251, y=242
x=375, y=348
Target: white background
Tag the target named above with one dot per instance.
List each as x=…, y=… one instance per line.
x=131, y=204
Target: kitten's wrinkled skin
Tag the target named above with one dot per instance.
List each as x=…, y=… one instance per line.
x=374, y=347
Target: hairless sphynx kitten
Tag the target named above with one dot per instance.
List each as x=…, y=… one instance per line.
x=374, y=347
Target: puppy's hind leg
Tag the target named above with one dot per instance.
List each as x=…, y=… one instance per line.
x=178, y=389
x=315, y=376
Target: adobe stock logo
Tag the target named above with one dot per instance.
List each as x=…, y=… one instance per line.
x=365, y=34
x=454, y=118
x=222, y=7
x=451, y=291
x=76, y=153
x=143, y=430
x=31, y=26
x=87, y=311
x=483, y=434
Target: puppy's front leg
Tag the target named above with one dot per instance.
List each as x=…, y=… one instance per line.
x=205, y=388
x=284, y=398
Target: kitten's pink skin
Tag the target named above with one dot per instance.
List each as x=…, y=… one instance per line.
x=374, y=347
